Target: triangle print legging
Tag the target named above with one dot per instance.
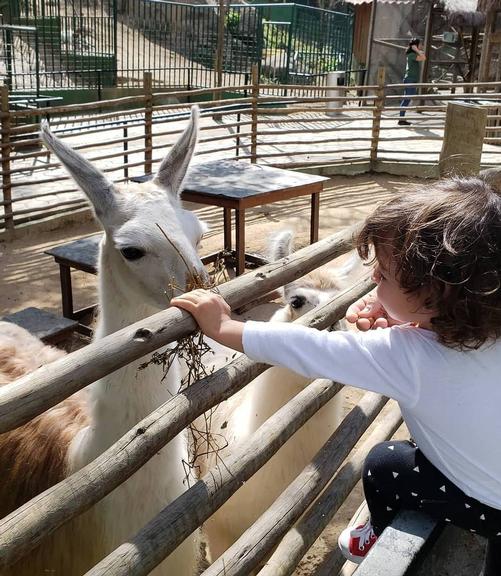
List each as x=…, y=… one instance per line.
x=397, y=476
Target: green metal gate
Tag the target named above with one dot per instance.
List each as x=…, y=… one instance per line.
x=51, y=45
x=72, y=44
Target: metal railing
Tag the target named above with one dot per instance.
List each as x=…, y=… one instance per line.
x=82, y=45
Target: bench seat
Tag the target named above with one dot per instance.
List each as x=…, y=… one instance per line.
x=401, y=545
x=49, y=327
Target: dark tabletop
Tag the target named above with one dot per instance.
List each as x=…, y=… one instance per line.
x=83, y=252
x=228, y=178
x=237, y=179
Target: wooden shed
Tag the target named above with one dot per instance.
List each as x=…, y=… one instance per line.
x=490, y=59
x=450, y=29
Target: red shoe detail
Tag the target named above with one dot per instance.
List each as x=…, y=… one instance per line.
x=355, y=543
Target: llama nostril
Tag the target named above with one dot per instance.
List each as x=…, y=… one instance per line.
x=297, y=302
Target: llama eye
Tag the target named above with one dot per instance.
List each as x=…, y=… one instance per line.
x=297, y=302
x=132, y=253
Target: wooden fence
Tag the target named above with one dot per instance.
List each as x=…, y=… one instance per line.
x=27, y=527
x=308, y=128
x=124, y=137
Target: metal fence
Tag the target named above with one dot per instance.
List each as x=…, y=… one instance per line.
x=91, y=44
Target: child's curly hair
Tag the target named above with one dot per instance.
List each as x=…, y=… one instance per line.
x=445, y=239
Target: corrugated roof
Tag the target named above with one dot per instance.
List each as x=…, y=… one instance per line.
x=460, y=5
x=379, y=1
x=451, y=5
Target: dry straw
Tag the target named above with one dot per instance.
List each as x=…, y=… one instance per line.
x=193, y=352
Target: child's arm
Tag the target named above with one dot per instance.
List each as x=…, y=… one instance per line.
x=213, y=315
x=378, y=360
x=420, y=55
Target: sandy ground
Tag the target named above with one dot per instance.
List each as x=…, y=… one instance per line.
x=31, y=278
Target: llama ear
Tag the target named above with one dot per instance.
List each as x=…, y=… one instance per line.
x=281, y=245
x=98, y=189
x=173, y=169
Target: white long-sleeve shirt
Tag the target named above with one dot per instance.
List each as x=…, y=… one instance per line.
x=450, y=400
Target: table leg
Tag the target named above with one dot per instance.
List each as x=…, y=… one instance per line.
x=315, y=217
x=66, y=292
x=227, y=228
x=240, y=240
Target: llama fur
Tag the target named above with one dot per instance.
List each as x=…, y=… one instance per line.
x=241, y=415
x=136, y=265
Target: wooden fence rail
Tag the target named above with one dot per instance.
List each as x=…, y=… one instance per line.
x=246, y=553
x=256, y=123
x=170, y=527
x=25, y=528
x=297, y=541
x=33, y=394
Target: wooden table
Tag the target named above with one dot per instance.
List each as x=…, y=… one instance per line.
x=230, y=184
x=237, y=185
x=79, y=255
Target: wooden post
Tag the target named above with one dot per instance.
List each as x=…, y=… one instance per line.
x=376, y=117
x=485, y=56
x=220, y=44
x=6, y=150
x=464, y=135
x=369, y=43
x=148, y=122
x=475, y=36
x=427, y=45
x=255, y=99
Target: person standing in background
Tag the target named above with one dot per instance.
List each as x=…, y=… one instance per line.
x=415, y=55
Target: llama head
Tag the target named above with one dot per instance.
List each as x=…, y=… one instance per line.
x=308, y=292
x=150, y=241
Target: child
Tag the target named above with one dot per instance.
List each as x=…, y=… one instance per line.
x=438, y=302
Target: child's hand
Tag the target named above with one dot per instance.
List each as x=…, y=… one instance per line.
x=368, y=313
x=213, y=315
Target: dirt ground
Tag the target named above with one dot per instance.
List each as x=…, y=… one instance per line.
x=31, y=278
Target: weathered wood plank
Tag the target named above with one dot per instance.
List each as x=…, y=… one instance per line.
x=25, y=528
x=43, y=324
x=33, y=394
x=299, y=539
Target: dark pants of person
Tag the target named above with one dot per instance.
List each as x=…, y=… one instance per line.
x=397, y=476
x=408, y=91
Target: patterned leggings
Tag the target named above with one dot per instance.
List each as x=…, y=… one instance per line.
x=397, y=476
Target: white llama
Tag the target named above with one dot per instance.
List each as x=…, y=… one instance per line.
x=136, y=266
x=242, y=414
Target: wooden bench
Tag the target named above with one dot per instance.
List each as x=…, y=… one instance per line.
x=47, y=326
x=401, y=546
x=404, y=545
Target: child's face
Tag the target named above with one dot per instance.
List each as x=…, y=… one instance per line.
x=398, y=304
